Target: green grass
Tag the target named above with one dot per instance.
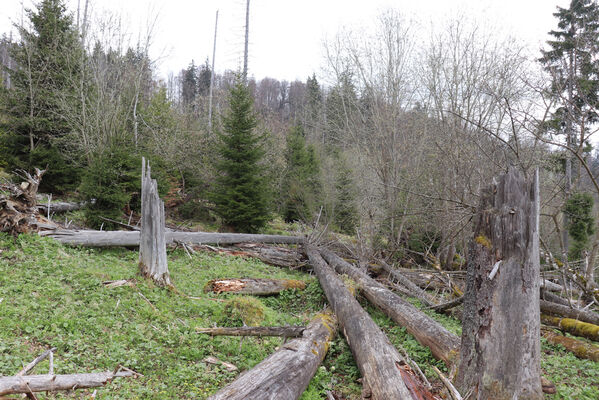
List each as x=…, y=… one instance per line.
x=52, y=296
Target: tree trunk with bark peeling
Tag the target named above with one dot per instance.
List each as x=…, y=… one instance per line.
x=500, y=354
x=379, y=362
x=286, y=373
x=257, y=287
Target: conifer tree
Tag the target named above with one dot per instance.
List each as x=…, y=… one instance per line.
x=346, y=213
x=241, y=193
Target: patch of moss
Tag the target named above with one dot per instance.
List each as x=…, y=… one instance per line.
x=243, y=310
x=483, y=241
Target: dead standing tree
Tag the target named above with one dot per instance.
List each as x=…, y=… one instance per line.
x=152, y=247
x=500, y=354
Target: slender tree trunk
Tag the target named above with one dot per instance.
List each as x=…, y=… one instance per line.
x=500, y=353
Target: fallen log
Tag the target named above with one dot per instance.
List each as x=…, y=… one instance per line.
x=411, y=286
x=59, y=207
x=131, y=239
x=547, y=295
x=256, y=287
x=286, y=373
x=281, y=331
x=443, y=344
x=573, y=327
x=277, y=256
x=579, y=348
x=568, y=312
x=379, y=362
x=448, y=305
x=52, y=383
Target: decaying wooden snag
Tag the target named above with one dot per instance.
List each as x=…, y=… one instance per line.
x=573, y=327
x=152, y=249
x=286, y=373
x=579, y=348
x=565, y=311
x=281, y=331
x=379, y=362
x=443, y=344
x=52, y=383
x=500, y=352
x=257, y=287
x=93, y=238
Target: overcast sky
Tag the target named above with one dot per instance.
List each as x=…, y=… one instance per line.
x=286, y=36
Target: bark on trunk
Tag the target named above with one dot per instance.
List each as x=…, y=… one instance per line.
x=579, y=348
x=286, y=373
x=51, y=383
x=565, y=311
x=500, y=353
x=281, y=331
x=572, y=326
x=131, y=239
x=378, y=361
x=443, y=344
x=257, y=287
x=152, y=249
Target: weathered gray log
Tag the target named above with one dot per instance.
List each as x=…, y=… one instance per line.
x=52, y=383
x=131, y=239
x=379, y=362
x=500, y=353
x=281, y=331
x=252, y=286
x=568, y=312
x=443, y=344
x=546, y=295
x=411, y=286
x=152, y=249
x=448, y=305
x=286, y=373
x=277, y=256
x=59, y=207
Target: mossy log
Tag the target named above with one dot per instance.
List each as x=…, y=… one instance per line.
x=378, y=361
x=573, y=327
x=568, y=312
x=281, y=331
x=256, y=287
x=286, y=373
x=579, y=348
x=443, y=344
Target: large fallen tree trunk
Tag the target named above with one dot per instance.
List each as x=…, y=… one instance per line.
x=443, y=344
x=572, y=326
x=565, y=311
x=281, y=331
x=131, y=239
x=51, y=383
x=257, y=287
x=579, y=348
x=379, y=362
x=59, y=207
x=286, y=373
x=277, y=256
x=411, y=286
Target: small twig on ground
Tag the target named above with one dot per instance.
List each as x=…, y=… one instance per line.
x=29, y=367
x=148, y=301
x=453, y=392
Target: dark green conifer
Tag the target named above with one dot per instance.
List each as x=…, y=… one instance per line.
x=346, y=213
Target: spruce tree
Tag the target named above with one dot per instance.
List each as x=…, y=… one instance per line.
x=346, y=213
x=241, y=193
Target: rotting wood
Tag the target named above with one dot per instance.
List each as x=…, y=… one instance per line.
x=93, y=238
x=281, y=331
x=568, y=312
x=500, y=352
x=52, y=383
x=573, y=327
x=578, y=347
x=286, y=373
x=152, y=250
x=252, y=286
x=443, y=344
x=378, y=361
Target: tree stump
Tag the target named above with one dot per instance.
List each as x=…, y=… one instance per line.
x=500, y=353
x=152, y=246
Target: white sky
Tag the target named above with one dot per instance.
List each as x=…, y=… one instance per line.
x=286, y=36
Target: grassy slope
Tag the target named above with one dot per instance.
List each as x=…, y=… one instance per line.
x=53, y=296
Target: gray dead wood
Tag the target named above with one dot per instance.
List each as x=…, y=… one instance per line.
x=131, y=239
x=277, y=256
x=443, y=344
x=29, y=367
x=448, y=305
x=568, y=312
x=51, y=383
x=379, y=362
x=411, y=286
x=152, y=249
x=60, y=207
x=286, y=373
x=500, y=353
x=257, y=287
x=546, y=295
x=281, y=331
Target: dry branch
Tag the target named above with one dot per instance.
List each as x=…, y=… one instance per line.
x=257, y=287
x=286, y=373
x=282, y=331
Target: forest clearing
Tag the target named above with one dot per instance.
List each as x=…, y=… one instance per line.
x=417, y=222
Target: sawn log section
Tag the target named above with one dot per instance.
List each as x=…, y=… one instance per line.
x=286, y=373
